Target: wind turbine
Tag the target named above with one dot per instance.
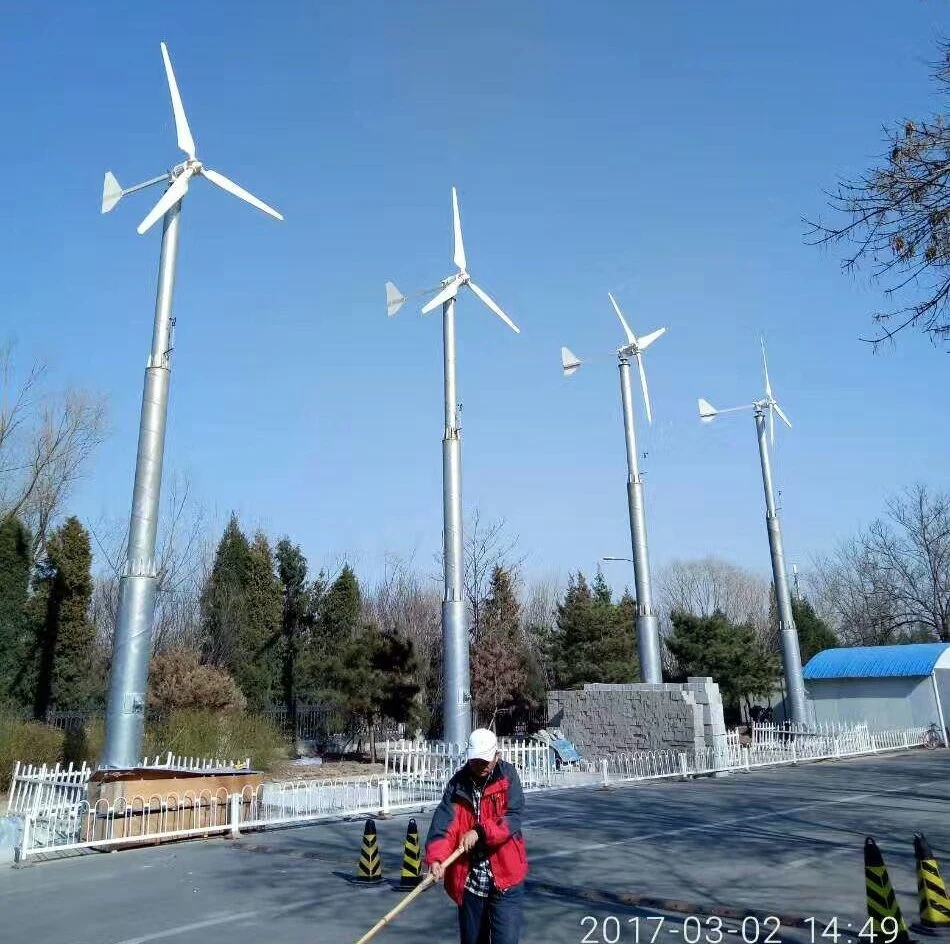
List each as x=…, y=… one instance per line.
x=791, y=654
x=137, y=584
x=456, y=707
x=648, y=630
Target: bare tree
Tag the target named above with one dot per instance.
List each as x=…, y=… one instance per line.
x=703, y=586
x=892, y=582
x=400, y=602
x=46, y=439
x=183, y=560
x=487, y=546
x=846, y=592
x=538, y=619
x=898, y=219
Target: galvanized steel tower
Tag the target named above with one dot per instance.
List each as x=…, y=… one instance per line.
x=457, y=700
x=138, y=581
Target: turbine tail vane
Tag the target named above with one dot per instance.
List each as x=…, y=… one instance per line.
x=707, y=411
x=569, y=361
x=111, y=192
x=394, y=299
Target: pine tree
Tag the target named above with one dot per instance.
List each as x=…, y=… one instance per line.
x=374, y=679
x=814, y=634
x=259, y=673
x=595, y=639
x=337, y=622
x=340, y=609
x=224, y=616
x=65, y=636
x=15, y=544
x=501, y=610
x=732, y=654
x=297, y=617
x=241, y=614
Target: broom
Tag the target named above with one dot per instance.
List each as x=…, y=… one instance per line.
x=426, y=882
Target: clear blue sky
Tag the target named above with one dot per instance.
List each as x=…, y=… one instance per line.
x=665, y=152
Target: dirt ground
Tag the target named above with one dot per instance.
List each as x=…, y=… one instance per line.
x=347, y=767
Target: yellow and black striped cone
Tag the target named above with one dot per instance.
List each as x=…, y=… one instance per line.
x=411, y=873
x=931, y=892
x=882, y=902
x=370, y=868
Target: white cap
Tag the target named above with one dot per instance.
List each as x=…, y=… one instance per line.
x=482, y=744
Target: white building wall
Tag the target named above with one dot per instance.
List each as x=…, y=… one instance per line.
x=884, y=703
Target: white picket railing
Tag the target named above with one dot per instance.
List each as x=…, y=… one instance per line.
x=126, y=822
x=178, y=762
x=534, y=761
x=36, y=788
x=415, y=775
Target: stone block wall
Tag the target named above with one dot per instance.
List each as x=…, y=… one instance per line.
x=603, y=719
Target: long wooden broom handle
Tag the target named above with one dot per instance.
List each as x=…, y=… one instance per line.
x=426, y=882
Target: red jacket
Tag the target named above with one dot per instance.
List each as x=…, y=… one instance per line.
x=499, y=830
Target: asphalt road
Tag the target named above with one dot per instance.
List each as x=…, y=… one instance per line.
x=786, y=842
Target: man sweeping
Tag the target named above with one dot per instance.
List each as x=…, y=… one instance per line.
x=481, y=812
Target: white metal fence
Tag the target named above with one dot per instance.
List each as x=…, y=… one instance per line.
x=61, y=819
x=40, y=788
x=534, y=761
x=37, y=788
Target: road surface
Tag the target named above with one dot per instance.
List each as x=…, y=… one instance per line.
x=783, y=841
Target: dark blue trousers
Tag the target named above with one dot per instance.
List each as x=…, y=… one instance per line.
x=497, y=919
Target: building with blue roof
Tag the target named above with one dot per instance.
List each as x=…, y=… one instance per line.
x=886, y=686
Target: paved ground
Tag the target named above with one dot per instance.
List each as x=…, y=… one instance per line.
x=786, y=841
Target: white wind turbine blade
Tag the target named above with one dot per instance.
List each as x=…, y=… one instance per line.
x=450, y=291
x=781, y=413
x=765, y=367
x=169, y=198
x=771, y=423
x=643, y=385
x=645, y=342
x=569, y=361
x=706, y=410
x=185, y=141
x=459, y=257
x=630, y=336
x=490, y=302
x=221, y=181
